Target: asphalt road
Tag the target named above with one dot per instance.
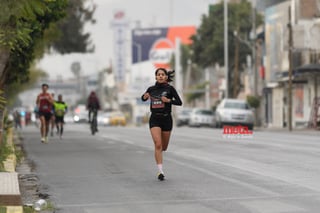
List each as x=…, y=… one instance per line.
x=114, y=171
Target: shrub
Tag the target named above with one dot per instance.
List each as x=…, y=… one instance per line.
x=253, y=101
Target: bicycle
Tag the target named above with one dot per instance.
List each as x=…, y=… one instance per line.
x=94, y=122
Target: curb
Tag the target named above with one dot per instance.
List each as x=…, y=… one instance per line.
x=10, y=196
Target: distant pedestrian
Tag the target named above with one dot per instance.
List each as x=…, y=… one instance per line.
x=44, y=103
x=60, y=108
x=36, y=115
x=28, y=118
x=17, y=119
x=162, y=96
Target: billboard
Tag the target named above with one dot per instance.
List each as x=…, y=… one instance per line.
x=275, y=30
x=307, y=9
x=120, y=27
x=152, y=48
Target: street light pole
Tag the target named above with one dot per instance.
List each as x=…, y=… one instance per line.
x=226, y=61
x=236, y=62
x=290, y=72
x=254, y=53
x=254, y=60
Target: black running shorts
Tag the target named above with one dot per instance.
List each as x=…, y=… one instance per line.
x=164, y=121
x=47, y=115
x=59, y=119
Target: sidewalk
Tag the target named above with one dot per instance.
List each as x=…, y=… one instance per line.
x=10, y=197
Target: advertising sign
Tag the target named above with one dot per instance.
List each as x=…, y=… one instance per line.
x=120, y=27
x=276, y=27
x=153, y=48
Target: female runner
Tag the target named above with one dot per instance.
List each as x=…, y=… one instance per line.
x=162, y=96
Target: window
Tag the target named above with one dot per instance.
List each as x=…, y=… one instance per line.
x=236, y=105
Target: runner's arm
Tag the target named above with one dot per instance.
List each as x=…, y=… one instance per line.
x=145, y=95
x=51, y=99
x=66, y=108
x=37, y=101
x=176, y=100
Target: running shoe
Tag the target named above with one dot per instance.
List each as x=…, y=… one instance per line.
x=46, y=139
x=160, y=176
x=43, y=140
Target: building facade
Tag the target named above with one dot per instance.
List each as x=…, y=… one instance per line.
x=304, y=60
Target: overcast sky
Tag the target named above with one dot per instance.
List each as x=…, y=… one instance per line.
x=150, y=13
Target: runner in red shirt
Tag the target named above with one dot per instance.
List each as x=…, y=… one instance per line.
x=44, y=103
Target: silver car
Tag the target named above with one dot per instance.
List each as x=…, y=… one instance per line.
x=202, y=117
x=183, y=117
x=234, y=112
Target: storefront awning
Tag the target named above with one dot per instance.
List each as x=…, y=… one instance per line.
x=308, y=68
x=300, y=71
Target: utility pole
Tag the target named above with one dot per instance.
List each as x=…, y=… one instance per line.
x=226, y=53
x=254, y=54
x=290, y=72
x=178, y=70
x=207, y=88
x=254, y=60
x=236, y=65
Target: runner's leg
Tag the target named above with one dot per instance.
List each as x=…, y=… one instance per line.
x=42, y=127
x=165, y=135
x=61, y=129
x=47, y=122
x=52, y=123
x=156, y=136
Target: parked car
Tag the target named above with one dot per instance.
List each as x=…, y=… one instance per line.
x=80, y=117
x=68, y=118
x=80, y=114
x=183, y=117
x=104, y=118
x=234, y=112
x=117, y=118
x=202, y=117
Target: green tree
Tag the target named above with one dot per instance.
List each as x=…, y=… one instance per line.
x=208, y=43
x=72, y=37
x=22, y=26
x=198, y=92
x=14, y=89
x=191, y=72
x=253, y=101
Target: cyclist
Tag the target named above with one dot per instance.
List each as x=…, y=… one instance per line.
x=93, y=105
x=44, y=104
x=60, y=108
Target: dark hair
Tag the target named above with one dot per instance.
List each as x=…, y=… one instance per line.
x=45, y=85
x=169, y=73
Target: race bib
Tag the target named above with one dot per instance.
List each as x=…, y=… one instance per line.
x=60, y=112
x=44, y=107
x=156, y=103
